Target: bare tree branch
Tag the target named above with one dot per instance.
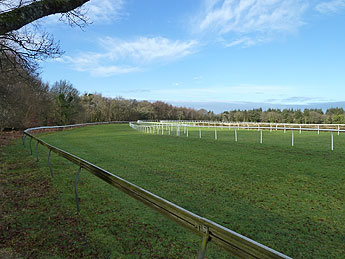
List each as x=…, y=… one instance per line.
x=19, y=17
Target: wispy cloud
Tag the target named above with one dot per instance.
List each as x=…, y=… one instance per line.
x=96, y=12
x=146, y=50
x=330, y=6
x=119, y=56
x=248, y=22
x=216, y=93
x=104, y=11
x=298, y=100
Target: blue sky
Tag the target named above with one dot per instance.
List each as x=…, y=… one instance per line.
x=193, y=52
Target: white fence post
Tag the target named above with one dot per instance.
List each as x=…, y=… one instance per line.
x=215, y=133
x=338, y=130
x=199, y=132
x=260, y=136
x=235, y=135
x=318, y=129
x=300, y=129
x=332, y=140
x=284, y=128
x=187, y=132
x=292, y=140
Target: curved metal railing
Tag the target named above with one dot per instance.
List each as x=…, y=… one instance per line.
x=235, y=243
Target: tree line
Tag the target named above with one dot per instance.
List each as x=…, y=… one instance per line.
x=26, y=101
x=307, y=116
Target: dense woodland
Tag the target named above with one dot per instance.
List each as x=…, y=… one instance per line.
x=27, y=101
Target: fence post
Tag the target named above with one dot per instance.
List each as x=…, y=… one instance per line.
x=300, y=129
x=292, y=140
x=284, y=128
x=205, y=239
x=338, y=130
x=187, y=132
x=76, y=190
x=332, y=140
x=215, y=133
x=37, y=151
x=318, y=129
x=30, y=146
x=235, y=135
x=199, y=132
x=49, y=164
x=24, y=137
x=261, y=137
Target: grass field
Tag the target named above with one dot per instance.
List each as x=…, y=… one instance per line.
x=288, y=198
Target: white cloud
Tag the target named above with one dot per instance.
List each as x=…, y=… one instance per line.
x=105, y=71
x=248, y=22
x=100, y=11
x=216, y=93
x=96, y=12
x=146, y=50
x=330, y=6
x=119, y=56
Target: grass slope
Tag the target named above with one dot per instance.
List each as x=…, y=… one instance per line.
x=288, y=198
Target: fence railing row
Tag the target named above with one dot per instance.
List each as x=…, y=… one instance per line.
x=177, y=127
x=244, y=123
x=235, y=243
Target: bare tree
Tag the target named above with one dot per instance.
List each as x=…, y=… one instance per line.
x=26, y=46
x=26, y=12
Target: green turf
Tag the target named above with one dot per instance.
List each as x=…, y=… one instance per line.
x=288, y=198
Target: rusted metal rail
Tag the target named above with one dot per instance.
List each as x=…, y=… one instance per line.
x=236, y=244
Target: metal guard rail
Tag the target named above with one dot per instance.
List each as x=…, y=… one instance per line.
x=236, y=244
